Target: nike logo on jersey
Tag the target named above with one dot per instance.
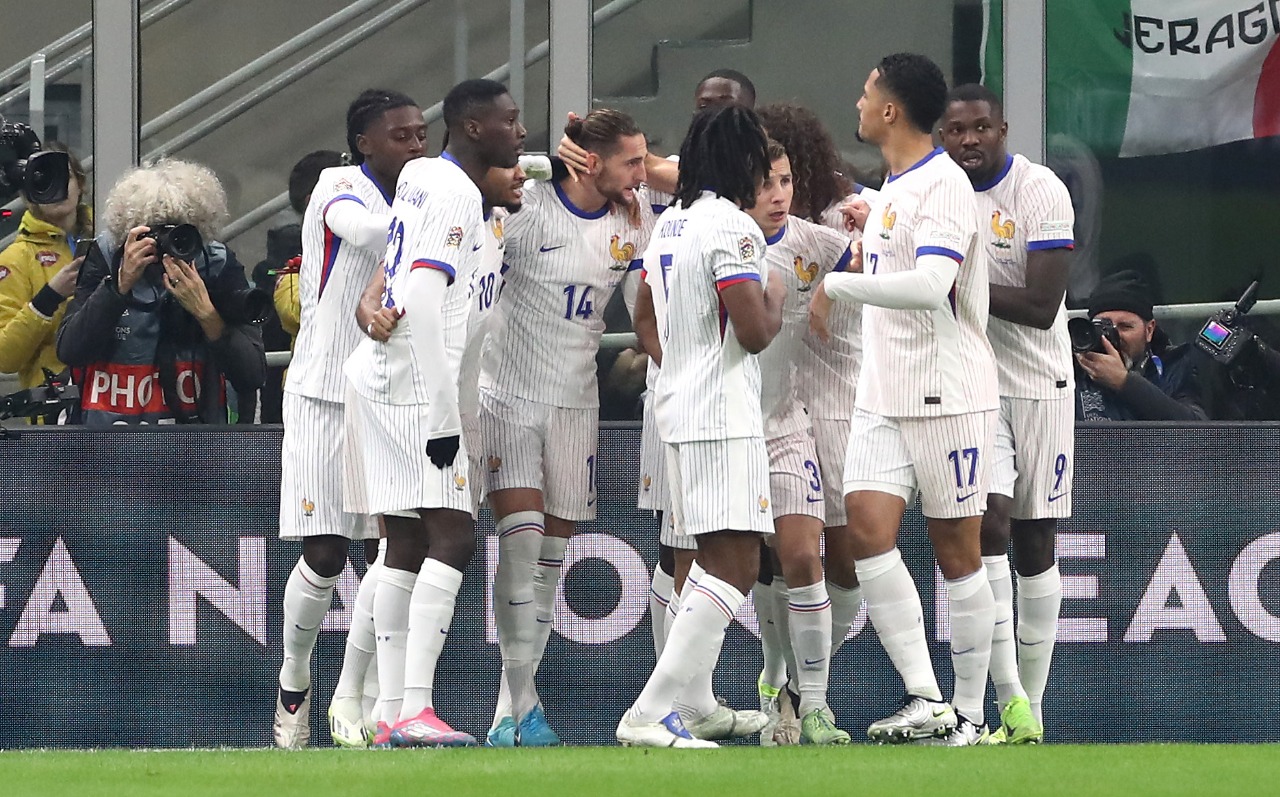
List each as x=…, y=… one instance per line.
x=1053, y=498
x=545, y=248
x=960, y=499
x=477, y=247
x=812, y=499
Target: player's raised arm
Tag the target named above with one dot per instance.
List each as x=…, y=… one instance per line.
x=356, y=224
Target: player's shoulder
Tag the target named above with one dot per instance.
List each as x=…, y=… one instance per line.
x=438, y=180
x=810, y=234
x=1031, y=175
x=337, y=180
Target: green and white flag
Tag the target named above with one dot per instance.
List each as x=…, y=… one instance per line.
x=1148, y=77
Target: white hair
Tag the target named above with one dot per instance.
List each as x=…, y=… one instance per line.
x=168, y=191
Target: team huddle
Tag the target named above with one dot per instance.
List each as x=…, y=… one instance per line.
x=819, y=354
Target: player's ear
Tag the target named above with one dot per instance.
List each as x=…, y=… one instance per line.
x=890, y=113
x=362, y=144
x=473, y=129
x=594, y=164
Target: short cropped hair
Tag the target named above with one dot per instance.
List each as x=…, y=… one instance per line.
x=464, y=98
x=974, y=92
x=917, y=83
x=737, y=77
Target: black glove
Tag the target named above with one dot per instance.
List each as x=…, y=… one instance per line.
x=443, y=451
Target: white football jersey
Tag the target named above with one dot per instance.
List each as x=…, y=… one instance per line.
x=827, y=382
x=563, y=265
x=1026, y=208
x=708, y=387
x=333, y=276
x=800, y=254
x=927, y=363
x=485, y=290
x=438, y=223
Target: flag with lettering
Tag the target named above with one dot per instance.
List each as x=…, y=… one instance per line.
x=1148, y=77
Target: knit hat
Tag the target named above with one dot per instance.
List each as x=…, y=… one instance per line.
x=1123, y=290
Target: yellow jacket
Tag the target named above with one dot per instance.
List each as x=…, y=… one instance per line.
x=288, y=305
x=26, y=333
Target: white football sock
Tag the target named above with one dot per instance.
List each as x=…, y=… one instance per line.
x=391, y=629
x=845, y=605
x=1039, y=602
x=361, y=644
x=810, y=620
x=660, y=590
x=1004, y=656
x=370, y=709
x=307, y=597
x=515, y=611
x=698, y=698
x=430, y=614
x=775, y=661
x=973, y=616
x=546, y=583
x=692, y=646
x=782, y=612
x=893, y=605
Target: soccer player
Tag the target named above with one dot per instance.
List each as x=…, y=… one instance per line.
x=404, y=405
x=1028, y=239
x=567, y=250
x=344, y=236
x=925, y=414
x=799, y=254
x=704, y=311
x=826, y=383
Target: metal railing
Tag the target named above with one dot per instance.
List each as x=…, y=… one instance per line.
x=434, y=113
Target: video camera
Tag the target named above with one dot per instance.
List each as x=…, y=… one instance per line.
x=1224, y=337
x=42, y=177
x=56, y=394
x=1087, y=334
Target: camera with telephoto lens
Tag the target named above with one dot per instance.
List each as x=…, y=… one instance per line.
x=1224, y=337
x=42, y=177
x=242, y=306
x=1087, y=334
x=179, y=241
x=54, y=395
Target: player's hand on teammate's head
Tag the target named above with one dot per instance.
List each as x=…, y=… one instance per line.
x=855, y=213
x=819, y=311
x=573, y=156
x=443, y=451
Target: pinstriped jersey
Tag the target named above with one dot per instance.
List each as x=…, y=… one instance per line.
x=485, y=289
x=1026, y=208
x=800, y=254
x=333, y=276
x=562, y=266
x=927, y=363
x=437, y=222
x=827, y=380
x=708, y=387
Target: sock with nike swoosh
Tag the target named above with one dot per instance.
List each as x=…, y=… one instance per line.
x=973, y=619
x=430, y=613
x=1004, y=656
x=810, y=620
x=307, y=596
x=515, y=609
x=1039, y=601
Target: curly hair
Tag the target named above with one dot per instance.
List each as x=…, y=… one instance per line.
x=168, y=191
x=815, y=163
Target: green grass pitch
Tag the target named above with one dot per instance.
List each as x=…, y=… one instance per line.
x=1164, y=769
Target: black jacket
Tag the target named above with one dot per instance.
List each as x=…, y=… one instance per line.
x=1166, y=388
x=142, y=358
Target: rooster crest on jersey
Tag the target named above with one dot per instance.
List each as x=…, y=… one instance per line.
x=495, y=464
x=646, y=482
x=807, y=274
x=887, y=220
x=622, y=254
x=454, y=238
x=746, y=249
x=459, y=482
x=308, y=507
x=763, y=503
x=1002, y=229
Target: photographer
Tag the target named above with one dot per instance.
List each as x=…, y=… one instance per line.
x=1143, y=378
x=37, y=275
x=152, y=337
